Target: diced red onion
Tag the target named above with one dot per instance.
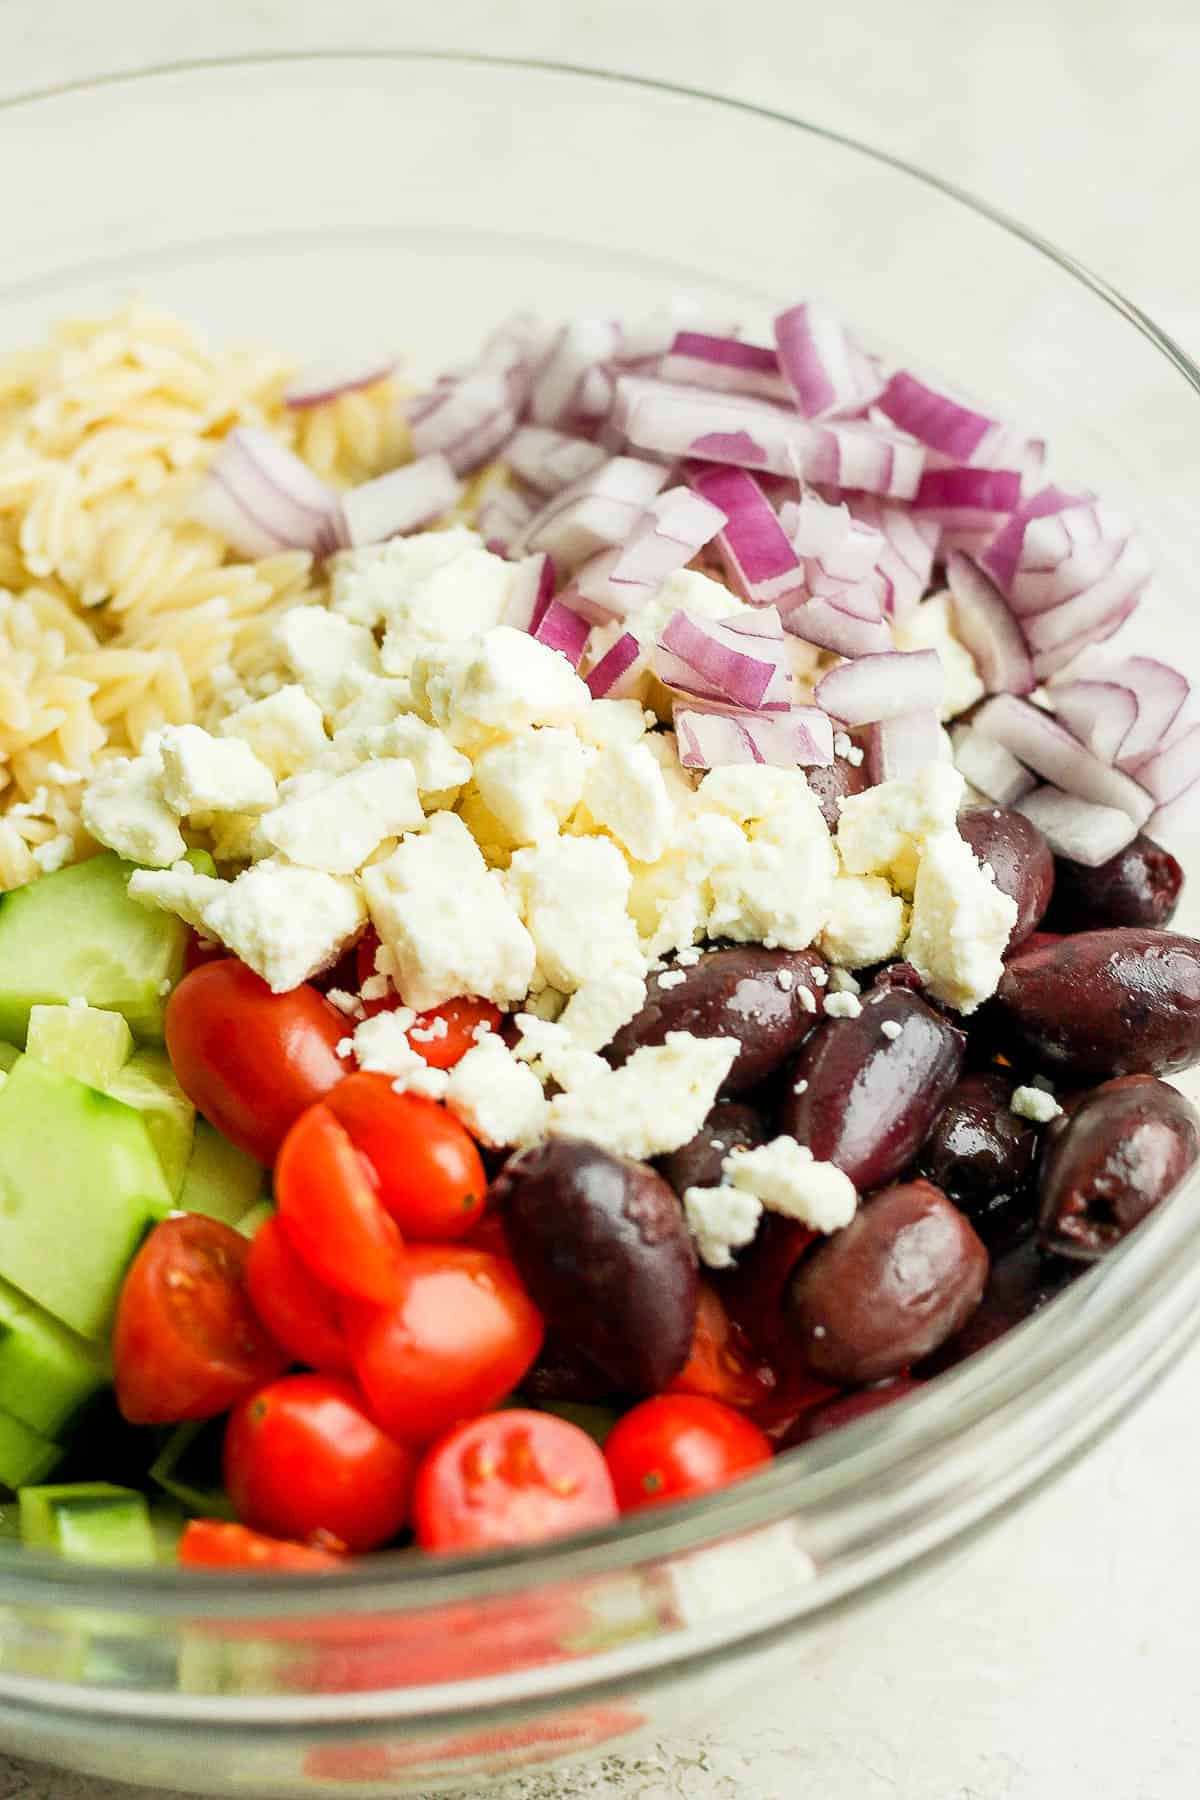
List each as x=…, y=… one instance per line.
x=516, y=349
x=1180, y=818
x=607, y=675
x=1048, y=663
x=1066, y=554
x=1086, y=832
x=827, y=371
x=1037, y=739
x=905, y=564
x=725, y=364
x=903, y=744
x=1160, y=692
x=1101, y=714
x=752, y=543
x=1123, y=582
x=741, y=661
x=986, y=626
x=319, y=382
x=599, y=509
x=467, y=420
x=838, y=555
x=551, y=460
x=503, y=517
x=647, y=340
x=952, y=428
x=710, y=738
x=829, y=626
x=1174, y=767
x=400, y=500
x=530, y=593
x=1003, y=554
x=883, y=686
x=673, y=529
x=561, y=629
x=989, y=767
x=264, y=499
x=968, y=500
x=561, y=392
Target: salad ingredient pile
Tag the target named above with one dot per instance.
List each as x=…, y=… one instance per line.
x=558, y=1020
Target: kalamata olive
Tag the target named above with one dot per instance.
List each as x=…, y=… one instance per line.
x=1125, y=1147
x=767, y=999
x=731, y=1125
x=1100, y=1003
x=904, y=1275
x=831, y=782
x=1019, y=857
x=819, y=1421
x=601, y=1244
x=983, y=1156
x=1021, y=1282
x=1138, y=886
x=863, y=1092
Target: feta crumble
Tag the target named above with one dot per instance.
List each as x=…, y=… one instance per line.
x=961, y=924
x=1036, y=1104
x=784, y=1176
x=842, y=1006
x=202, y=773
x=285, y=923
x=381, y=1045
x=497, y=1098
x=124, y=809
x=721, y=1220
x=340, y=824
x=655, y=1102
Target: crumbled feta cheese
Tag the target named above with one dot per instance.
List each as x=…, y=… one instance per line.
x=337, y=827
x=961, y=924
x=842, y=1006
x=286, y=731
x=722, y=1220
x=123, y=808
x=626, y=793
x=841, y=981
x=571, y=893
x=609, y=722
x=867, y=922
x=381, y=1045
x=497, y=1098
x=776, y=888
x=55, y=853
x=784, y=1177
x=807, y=999
x=447, y=919
x=533, y=782
x=203, y=774
x=820, y=976
x=331, y=658
x=348, y=1004
x=882, y=830
x=655, y=1102
x=596, y=1011
x=495, y=685
x=426, y=589
x=841, y=744
x=930, y=626
x=180, y=889
x=553, y=1051
x=286, y=923
x=376, y=987
x=672, y=978
x=1034, y=1103
x=440, y=770
x=855, y=756
x=688, y=958
x=786, y=978
x=890, y=1029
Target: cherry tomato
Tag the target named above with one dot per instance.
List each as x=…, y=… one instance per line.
x=460, y=1337
x=721, y=1364
x=678, y=1445
x=753, y=1291
x=215, y=1544
x=510, y=1478
x=330, y=1209
x=488, y=1233
x=429, y=1174
x=198, y=950
x=298, y=1312
x=187, y=1343
x=445, y=1033
x=251, y=1060
x=302, y=1458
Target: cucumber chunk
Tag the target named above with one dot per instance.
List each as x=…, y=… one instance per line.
x=221, y=1180
x=24, y=1455
x=82, y=1041
x=188, y=1468
x=47, y=1373
x=89, y=1521
x=147, y=1083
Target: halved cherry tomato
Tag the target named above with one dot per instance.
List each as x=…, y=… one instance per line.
x=677, y=1445
x=753, y=1291
x=296, y=1309
x=329, y=1207
x=445, y=1033
x=216, y=1544
x=459, y=1338
x=721, y=1363
x=187, y=1343
x=302, y=1458
x=510, y=1478
x=426, y=1165
x=251, y=1060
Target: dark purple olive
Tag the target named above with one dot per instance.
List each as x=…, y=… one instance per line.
x=1019, y=857
x=982, y=1155
x=831, y=782
x=1138, y=886
x=819, y=1421
x=561, y=1373
x=601, y=1244
x=1101, y=1003
x=731, y=1125
x=903, y=1276
x=1021, y=1282
x=1126, y=1146
x=767, y=999
x=864, y=1092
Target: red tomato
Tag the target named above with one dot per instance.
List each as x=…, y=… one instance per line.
x=251, y=1060
x=510, y=1478
x=445, y=1033
x=298, y=1312
x=460, y=1337
x=199, y=950
x=302, y=1459
x=678, y=1445
x=753, y=1291
x=488, y=1233
x=721, y=1364
x=426, y=1165
x=187, y=1344
x=215, y=1544
x=331, y=1212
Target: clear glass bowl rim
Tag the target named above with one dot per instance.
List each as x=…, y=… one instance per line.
x=1139, y=1301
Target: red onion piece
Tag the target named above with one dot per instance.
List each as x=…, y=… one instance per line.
x=1123, y=582
x=645, y=341
x=952, y=428
x=1064, y=555
x=1170, y=770
x=1160, y=692
x=910, y=543
x=725, y=364
x=607, y=676
x=1048, y=663
x=599, y=509
x=711, y=737
x=551, y=460
x=831, y=627
x=986, y=626
x=271, y=500
x=467, y=420
x=667, y=535
x=319, y=382
x=881, y=687
x=1080, y=829
x=562, y=391
x=903, y=744
x=503, y=517
x=400, y=500
x=1037, y=739
x=752, y=543
x=827, y=371
x=531, y=592
x=1003, y=554
x=967, y=500
x=561, y=629
x=838, y=555
x=1180, y=818
x=741, y=660
x=989, y=767
x=1101, y=714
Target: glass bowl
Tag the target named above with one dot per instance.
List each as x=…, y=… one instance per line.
x=410, y=200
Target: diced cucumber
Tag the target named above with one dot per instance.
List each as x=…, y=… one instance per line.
x=221, y=1180
x=88, y=1521
x=188, y=1468
x=8, y=1056
x=82, y=1041
x=47, y=1373
x=24, y=1456
x=166, y=1522
x=597, y=1421
x=147, y=1083
x=258, y=1215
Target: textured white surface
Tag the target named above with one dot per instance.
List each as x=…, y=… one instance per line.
x=1062, y=1654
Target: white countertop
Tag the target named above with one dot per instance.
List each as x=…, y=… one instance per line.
x=1062, y=1653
